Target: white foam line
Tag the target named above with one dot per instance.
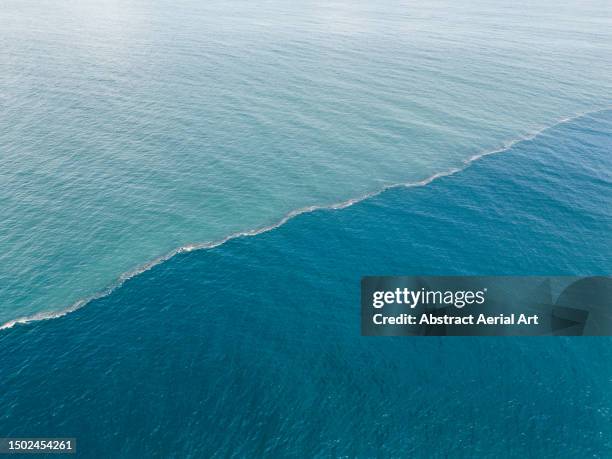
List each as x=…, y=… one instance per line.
x=289, y=216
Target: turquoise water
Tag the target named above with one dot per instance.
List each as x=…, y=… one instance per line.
x=128, y=129
x=253, y=348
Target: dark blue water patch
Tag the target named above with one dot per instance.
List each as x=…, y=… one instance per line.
x=253, y=348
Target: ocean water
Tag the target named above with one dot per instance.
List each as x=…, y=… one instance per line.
x=253, y=348
x=131, y=128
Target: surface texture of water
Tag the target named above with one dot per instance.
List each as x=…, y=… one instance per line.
x=130, y=128
x=252, y=349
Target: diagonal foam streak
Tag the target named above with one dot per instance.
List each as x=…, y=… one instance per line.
x=287, y=217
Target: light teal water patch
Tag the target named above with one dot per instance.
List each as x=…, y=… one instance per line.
x=128, y=129
x=253, y=348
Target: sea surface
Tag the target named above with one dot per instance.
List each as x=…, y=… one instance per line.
x=190, y=193
x=129, y=129
x=252, y=348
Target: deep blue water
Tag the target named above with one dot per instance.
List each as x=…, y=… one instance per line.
x=253, y=348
